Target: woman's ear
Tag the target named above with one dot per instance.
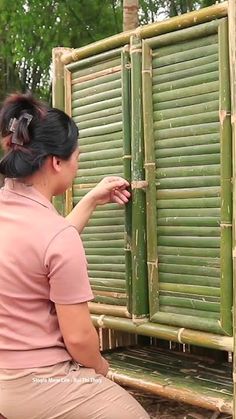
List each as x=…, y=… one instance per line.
x=56, y=163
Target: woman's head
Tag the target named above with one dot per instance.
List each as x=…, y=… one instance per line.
x=32, y=134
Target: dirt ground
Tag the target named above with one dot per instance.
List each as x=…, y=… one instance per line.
x=159, y=408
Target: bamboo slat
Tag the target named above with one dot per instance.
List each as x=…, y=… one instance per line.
x=87, y=84
x=95, y=107
x=188, y=193
x=209, y=128
x=188, y=251
x=189, y=203
x=97, y=67
x=186, y=110
x=191, y=241
x=97, y=89
x=189, y=221
x=190, y=270
x=189, y=312
x=196, y=303
x=173, y=76
x=200, y=118
x=187, y=100
x=95, y=122
x=161, y=87
x=97, y=115
x=188, y=150
x=176, y=172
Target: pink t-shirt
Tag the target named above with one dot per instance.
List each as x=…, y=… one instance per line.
x=42, y=262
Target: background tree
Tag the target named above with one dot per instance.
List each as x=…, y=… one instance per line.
x=130, y=14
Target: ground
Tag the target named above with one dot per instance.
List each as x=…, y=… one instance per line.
x=159, y=408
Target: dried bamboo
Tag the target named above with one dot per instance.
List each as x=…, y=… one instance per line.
x=232, y=60
x=126, y=105
x=139, y=268
x=150, y=168
x=226, y=174
x=184, y=21
x=193, y=337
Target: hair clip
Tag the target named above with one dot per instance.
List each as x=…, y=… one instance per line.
x=13, y=125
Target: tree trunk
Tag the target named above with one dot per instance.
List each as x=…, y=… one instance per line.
x=130, y=14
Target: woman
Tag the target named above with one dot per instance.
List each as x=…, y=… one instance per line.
x=50, y=363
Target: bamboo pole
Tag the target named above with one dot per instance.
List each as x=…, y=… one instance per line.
x=139, y=267
x=172, y=333
x=68, y=99
x=58, y=101
x=105, y=309
x=150, y=170
x=180, y=22
x=232, y=57
x=126, y=85
x=226, y=185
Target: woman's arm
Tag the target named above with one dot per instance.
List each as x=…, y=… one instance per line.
x=80, y=336
x=110, y=189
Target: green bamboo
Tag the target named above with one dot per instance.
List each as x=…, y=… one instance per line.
x=87, y=84
x=107, y=283
x=188, y=150
x=190, y=270
x=106, y=274
x=195, y=231
x=190, y=289
x=106, y=252
x=126, y=104
x=97, y=139
x=194, y=212
x=189, y=203
x=97, y=289
x=187, y=68
x=199, y=323
x=89, y=132
x=100, y=121
x=110, y=300
x=188, y=160
x=189, y=312
x=106, y=309
x=99, y=164
x=117, y=213
x=101, y=65
x=189, y=182
x=106, y=145
x=176, y=172
x=160, y=87
x=191, y=241
x=177, y=57
x=97, y=89
x=100, y=97
x=191, y=279
x=95, y=107
x=139, y=268
x=101, y=244
x=198, y=140
x=162, y=331
x=232, y=60
x=210, y=87
x=102, y=236
x=99, y=171
x=185, y=120
x=186, y=101
x=97, y=115
x=202, y=30
x=189, y=221
x=106, y=267
x=93, y=60
x=188, y=193
x=195, y=303
x=185, y=131
x=186, y=110
x=226, y=175
x=104, y=229
x=187, y=251
x=188, y=73
x=105, y=222
x=150, y=168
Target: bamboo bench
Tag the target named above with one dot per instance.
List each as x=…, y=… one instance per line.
x=184, y=377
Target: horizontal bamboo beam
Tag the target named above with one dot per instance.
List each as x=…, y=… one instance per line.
x=176, y=334
x=190, y=19
x=105, y=309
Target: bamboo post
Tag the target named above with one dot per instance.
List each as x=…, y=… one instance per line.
x=139, y=267
x=125, y=71
x=232, y=56
x=67, y=81
x=150, y=168
x=58, y=101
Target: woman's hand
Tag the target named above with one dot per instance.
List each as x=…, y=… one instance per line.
x=110, y=189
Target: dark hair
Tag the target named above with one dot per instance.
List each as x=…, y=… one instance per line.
x=29, y=141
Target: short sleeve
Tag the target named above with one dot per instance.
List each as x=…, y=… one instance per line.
x=66, y=267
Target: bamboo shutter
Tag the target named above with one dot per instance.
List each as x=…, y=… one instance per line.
x=186, y=109
x=96, y=106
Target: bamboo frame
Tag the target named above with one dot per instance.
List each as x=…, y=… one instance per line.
x=150, y=171
x=139, y=268
x=226, y=174
x=232, y=56
x=184, y=21
x=126, y=85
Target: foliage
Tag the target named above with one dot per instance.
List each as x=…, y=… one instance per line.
x=33, y=27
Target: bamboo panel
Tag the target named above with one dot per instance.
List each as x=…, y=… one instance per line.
x=194, y=212
x=108, y=77
x=97, y=115
x=188, y=150
x=173, y=76
x=190, y=203
x=100, y=121
x=190, y=182
x=188, y=193
x=191, y=279
x=186, y=251
x=192, y=99
x=176, y=172
x=97, y=89
x=189, y=312
x=98, y=139
x=96, y=98
x=212, y=127
x=189, y=221
x=100, y=146
x=98, y=67
x=189, y=270
x=185, y=92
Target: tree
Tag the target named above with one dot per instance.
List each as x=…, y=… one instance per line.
x=130, y=14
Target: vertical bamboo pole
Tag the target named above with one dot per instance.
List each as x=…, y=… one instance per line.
x=58, y=101
x=150, y=167
x=226, y=174
x=69, y=192
x=125, y=66
x=232, y=56
x=139, y=266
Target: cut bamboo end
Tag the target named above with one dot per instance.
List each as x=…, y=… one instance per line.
x=139, y=184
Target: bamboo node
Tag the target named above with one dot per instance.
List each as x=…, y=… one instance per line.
x=148, y=72
x=233, y=118
x=100, y=320
x=180, y=331
x=128, y=66
x=127, y=157
x=139, y=320
x=153, y=164
x=234, y=377
x=225, y=225
x=139, y=184
x=134, y=50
